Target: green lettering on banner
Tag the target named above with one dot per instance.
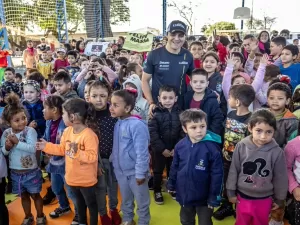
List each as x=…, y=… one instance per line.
x=138, y=42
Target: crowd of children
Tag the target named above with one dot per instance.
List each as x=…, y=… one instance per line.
x=232, y=142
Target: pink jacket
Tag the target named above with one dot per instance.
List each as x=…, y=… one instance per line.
x=292, y=154
x=256, y=84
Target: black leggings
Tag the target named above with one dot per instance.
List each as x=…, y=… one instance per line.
x=86, y=196
x=4, y=219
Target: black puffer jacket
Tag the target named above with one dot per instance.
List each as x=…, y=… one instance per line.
x=165, y=128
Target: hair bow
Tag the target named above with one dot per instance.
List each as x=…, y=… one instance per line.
x=131, y=90
x=284, y=79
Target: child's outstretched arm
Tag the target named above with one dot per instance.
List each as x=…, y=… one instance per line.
x=260, y=74
x=141, y=138
x=280, y=180
x=171, y=185
x=226, y=84
x=52, y=149
x=232, y=180
x=290, y=158
x=216, y=174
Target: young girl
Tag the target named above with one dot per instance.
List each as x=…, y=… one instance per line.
x=99, y=93
x=54, y=130
x=4, y=218
x=18, y=142
x=120, y=65
x=257, y=180
x=130, y=157
x=38, y=77
x=87, y=90
x=79, y=144
x=34, y=106
x=292, y=155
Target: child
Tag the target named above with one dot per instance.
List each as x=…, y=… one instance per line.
x=79, y=145
x=87, y=90
x=196, y=173
x=141, y=107
x=120, y=65
x=4, y=218
x=288, y=67
x=279, y=97
x=34, y=106
x=235, y=79
x=72, y=60
x=233, y=47
x=196, y=48
x=99, y=93
x=201, y=97
x=30, y=55
x=84, y=64
x=38, y=77
x=276, y=47
x=292, y=161
x=124, y=53
x=257, y=180
x=253, y=60
x=63, y=85
x=45, y=66
x=54, y=129
x=18, y=79
x=165, y=132
x=130, y=157
x=9, y=85
x=236, y=127
x=210, y=65
x=60, y=61
x=18, y=142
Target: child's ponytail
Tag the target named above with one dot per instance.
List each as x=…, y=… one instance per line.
x=90, y=120
x=12, y=108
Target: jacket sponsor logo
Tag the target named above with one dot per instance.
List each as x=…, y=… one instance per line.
x=200, y=165
x=183, y=63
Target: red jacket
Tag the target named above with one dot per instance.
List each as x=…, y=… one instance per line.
x=3, y=58
x=222, y=52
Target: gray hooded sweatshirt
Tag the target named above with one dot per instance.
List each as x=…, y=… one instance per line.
x=258, y=172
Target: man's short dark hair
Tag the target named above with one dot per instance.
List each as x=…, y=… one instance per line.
x=64, y=76
x=244, y=93
x=293, y=49
x=248, y=36
x=192, y=115
x=167, y=88
x=199, y=72
x=279, y=41
x=10, y=69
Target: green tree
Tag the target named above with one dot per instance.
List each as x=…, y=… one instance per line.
x=223, y=25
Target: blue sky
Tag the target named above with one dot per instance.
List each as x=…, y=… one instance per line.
x=149, y=13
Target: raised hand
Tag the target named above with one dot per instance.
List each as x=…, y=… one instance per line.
x=264, y=59
x=229, y=60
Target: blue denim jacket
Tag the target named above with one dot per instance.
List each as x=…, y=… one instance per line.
x=56, y=163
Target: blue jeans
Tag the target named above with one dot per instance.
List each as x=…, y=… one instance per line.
x=131, y=192
x=57, y=183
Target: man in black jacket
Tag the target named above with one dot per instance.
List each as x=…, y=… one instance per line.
x=165, y=132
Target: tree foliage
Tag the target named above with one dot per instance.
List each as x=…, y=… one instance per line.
x=260, y=24
x=186, y=11
x=223, y=25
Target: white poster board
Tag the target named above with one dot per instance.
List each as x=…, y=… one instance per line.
x=95, y=48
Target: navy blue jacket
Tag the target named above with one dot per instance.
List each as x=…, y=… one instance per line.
x=197, y=172
x=209, y=105
x=35, y=112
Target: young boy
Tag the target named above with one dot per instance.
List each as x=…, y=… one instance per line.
x=276, y=48
x=289, y=67
x=141, y=107
x=124, y=53
x=165, y=132
x=196, y=173
x=63, y=85
x=45, y=66
x=60, y=61
x=18, y=78
x=236, y=128
x=201, y=97
x=73, y=68
x=9, y=84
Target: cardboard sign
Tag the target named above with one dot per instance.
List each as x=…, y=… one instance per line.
x=138, y=42
x=95, y=48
